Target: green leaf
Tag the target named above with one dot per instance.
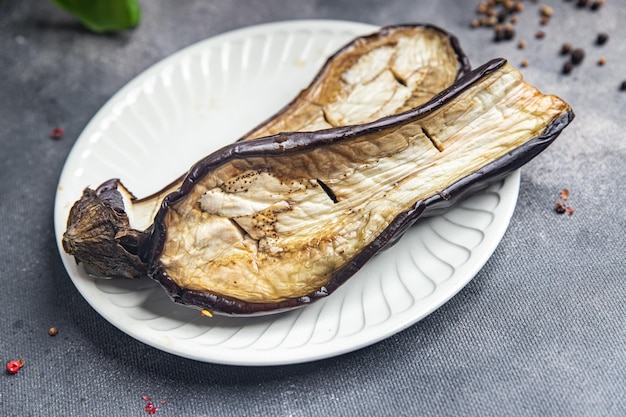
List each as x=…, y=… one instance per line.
x=104, y=15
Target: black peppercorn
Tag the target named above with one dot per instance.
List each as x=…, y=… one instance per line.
x=577, y=56
x=502, y=16
x=597, y=4
x=602, y=38
x=567, y=67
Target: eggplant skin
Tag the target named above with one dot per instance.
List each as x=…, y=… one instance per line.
x=289, y=144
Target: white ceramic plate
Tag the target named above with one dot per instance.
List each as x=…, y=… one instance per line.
x=206, y=96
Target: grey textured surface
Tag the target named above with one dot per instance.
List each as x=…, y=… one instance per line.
x=541, y=330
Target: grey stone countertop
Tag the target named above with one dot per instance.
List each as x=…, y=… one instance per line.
x=539, y=331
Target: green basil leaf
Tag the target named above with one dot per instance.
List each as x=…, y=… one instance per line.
x=104, y=15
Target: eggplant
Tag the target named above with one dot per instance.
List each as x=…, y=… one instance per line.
x=278, y=222
x=387, y=72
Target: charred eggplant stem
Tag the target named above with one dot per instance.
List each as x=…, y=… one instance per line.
x=252, y=229
x=390, y=71
x=107, y=244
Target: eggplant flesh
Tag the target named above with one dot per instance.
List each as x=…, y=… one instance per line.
x=278, y=222
x=387, y=72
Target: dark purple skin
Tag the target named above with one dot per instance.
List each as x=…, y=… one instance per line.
x=285, y=143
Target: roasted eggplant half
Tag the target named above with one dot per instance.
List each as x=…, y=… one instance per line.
x=277, y=222
x=390, y=71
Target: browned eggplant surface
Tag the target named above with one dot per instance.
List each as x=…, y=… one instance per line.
x=277, y=222
x=390, y=71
